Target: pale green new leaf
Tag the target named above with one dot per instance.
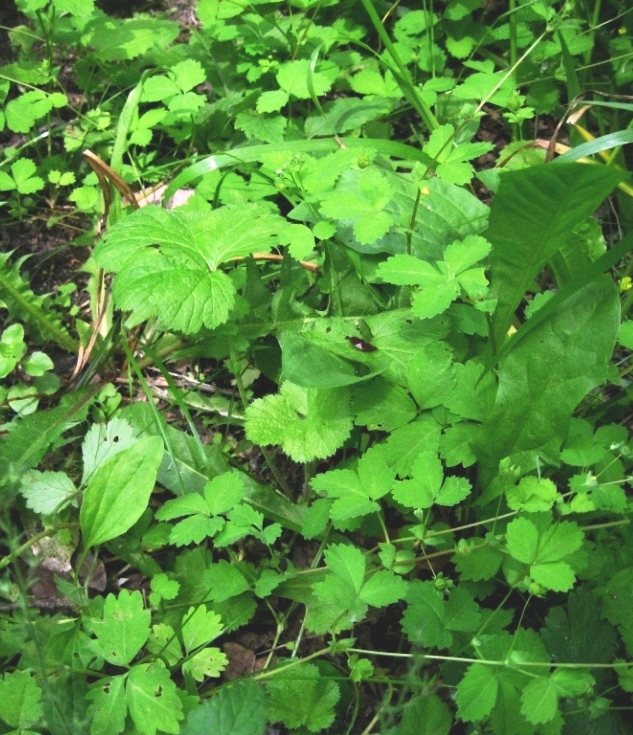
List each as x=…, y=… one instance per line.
x=103, y=441
x=119, y=491
x=124, y=628
x=47, y=492
x=108, y=706
x=157, y=252
x=199, y=627
x=195, y=529
x=153, y=700
x=477, y=692
x=210, y=662
x=20, y=699
x=539, y=700
x=309, y=423
x=224, y=492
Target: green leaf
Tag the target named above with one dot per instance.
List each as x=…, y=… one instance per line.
x=238, y=709
x=224, y=492
x=152, y=699
x=428, y=485
x=572, y=683
x=20, y=700
x=383, y=588
x=119, y=491
x=293, y=78
x=425, y=714
x=430, y=620
x=522, y=540
x=46, y=492
x=124, y=628
x=355, y=493
x=26, y=183
x=549, y=372
x=302, y=697
x=539, y=700
x=108, y=706
x=210, y=662
x=103, y=441
x=24, y=111
x=532, y=494
x=185, y=262
x=312, y=365
x=530, y=219
x=224, y=581
x=308, y=423
x=199, y=627
x=477, y=692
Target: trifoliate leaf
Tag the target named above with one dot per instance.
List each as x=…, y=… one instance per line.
x=165, y=587
x=309, y=423
x=477, y=692
x=124, y=628
x=302, y=697
x=428, y=487
x=355, y=492
x=539, y=700
x=152, y=699
x=46, y=492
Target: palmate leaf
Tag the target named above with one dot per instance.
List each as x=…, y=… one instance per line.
x=166, y=263
x=309, y=423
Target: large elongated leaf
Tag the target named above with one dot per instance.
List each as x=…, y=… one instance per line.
x=119, y=491
x=533, y=213
x=550, y=371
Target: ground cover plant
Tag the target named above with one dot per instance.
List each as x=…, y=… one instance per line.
x=314, y=368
